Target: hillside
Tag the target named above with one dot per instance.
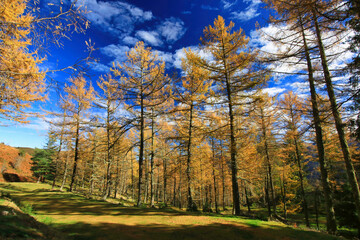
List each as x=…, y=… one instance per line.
x=15, y=164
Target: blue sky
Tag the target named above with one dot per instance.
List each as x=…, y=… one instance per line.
x=165, y=25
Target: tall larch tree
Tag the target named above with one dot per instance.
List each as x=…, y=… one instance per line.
x=80, y=98
x=110, y=102
x=292, y=110
x=318, y=8
x=298, y=42
x=194, y=92
x=230, y=67
x=141, y=77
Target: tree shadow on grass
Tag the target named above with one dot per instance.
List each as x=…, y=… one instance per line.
x=109, y=231
x=49, y=202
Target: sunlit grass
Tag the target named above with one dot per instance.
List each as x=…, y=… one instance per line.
x=83, y=218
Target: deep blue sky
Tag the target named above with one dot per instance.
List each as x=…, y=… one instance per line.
x=165, y=25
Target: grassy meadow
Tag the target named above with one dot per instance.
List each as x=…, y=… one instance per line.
x=72, y=216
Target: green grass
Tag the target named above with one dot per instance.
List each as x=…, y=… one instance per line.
x=82, y=218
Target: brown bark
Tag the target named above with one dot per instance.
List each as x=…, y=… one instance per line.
x=338, y=122
x=330, y=214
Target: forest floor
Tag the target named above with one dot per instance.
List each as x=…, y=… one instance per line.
x=71, y=216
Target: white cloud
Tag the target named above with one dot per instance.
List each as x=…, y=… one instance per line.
x=165, y=56
x=99, y=67
x=151, y=37
x=130, y=40
x=115, y=17
x=180, y=53
x=116, y=51
x=274, y=90
x=249, y=13
x=172, y=29
x=38, y=124
x=228, y=4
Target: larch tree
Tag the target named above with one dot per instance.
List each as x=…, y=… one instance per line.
x=24, y=32
x=317, y=9
x=266, y=116
x=80, y=97
x=21, y=82
x=110, y=103
x=141, y=77
x=292, y=110
x=195, y=86
x=230, y=65
x=298, y=42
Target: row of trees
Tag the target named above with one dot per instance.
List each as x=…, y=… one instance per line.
x=212, y=128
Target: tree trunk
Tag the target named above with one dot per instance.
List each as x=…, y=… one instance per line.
x=268, y=162
x=165, y=181
x=65, y=171
x=338, y=122
x=76, y=155
x=247, y=199
x=141, y=149
x=152, y=203
x=191, y=206
x=330, y=214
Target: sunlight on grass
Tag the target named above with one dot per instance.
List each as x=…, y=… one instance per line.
x=82, y=218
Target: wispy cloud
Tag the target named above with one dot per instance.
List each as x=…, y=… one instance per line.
x=168, y=31
x=118, y=52
x=151, y=37
x=115, y=17
x=208, y=7
x=228, y=4
x=249, y=13
x=99, y=67
x=172, y=29
x=130, y=40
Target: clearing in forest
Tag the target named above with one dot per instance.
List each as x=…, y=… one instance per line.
x=79, y=218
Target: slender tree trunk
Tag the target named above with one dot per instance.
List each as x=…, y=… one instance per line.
x=59, y=150
x=214, y=175
x=330, y=213
x=108, y=155
x=316, y=208
x=283, y=193
x=146, y=185
x=247, y=199
x=141, y=149
x=302, y=188
x=222, y=176
x=91, y=187
x=233, y=164
x=267, y=194
x=76, y=155
x=191, y=206
x=132, y=177
x=180, y=183
x=65, y=171
x=152, y=202
x=174, y=192
x=165, y=181
x=338, y=122
x=268, y=162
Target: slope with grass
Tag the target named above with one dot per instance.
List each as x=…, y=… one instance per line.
x=81, y=218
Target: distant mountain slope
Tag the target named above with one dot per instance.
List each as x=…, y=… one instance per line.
x=15, y=164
